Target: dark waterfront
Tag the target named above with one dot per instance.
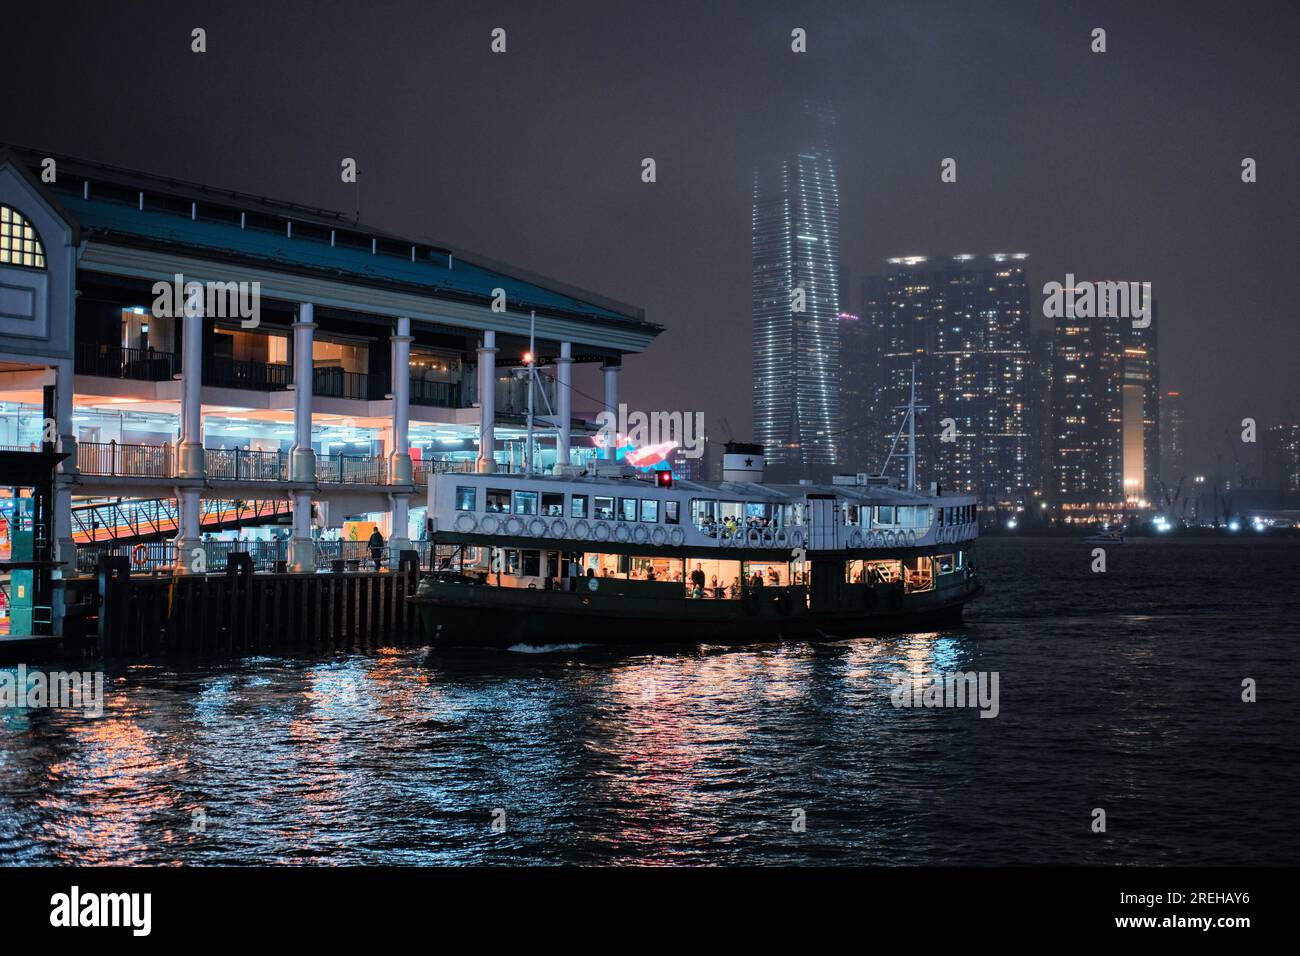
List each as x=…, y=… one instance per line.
x=1119, y=690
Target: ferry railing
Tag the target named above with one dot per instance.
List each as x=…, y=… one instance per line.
x=114, y=460
x=243, y=464
x=352, y=469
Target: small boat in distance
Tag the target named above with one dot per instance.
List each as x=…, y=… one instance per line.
x=1106, y=537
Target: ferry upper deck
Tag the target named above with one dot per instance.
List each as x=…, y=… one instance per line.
x=618, y=509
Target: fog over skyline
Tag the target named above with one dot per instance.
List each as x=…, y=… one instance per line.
x=1122, y=165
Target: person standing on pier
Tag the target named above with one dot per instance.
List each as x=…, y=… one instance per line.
x=376, y=545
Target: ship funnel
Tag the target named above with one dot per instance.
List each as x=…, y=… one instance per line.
x=742, y=461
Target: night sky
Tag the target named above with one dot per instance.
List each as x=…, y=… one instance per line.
x=1117, y=165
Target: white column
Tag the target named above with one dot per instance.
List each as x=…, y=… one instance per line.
x=65, y=548
x=302, y=460
x=302, y=552
x=189, y=449
x=399, y=537
x=189, y=453
x=611, y=406
x=564, y=401
x=487, y=401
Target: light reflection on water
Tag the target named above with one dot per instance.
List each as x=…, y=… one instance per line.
x=697, y=755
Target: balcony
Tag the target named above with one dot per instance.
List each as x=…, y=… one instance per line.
x=332, y=382
x=113, y=361
x=133, y=461
x=240, y=464
x=437, y=394
x=256, y=376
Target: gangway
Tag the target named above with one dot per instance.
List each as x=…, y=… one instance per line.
x=124, y=520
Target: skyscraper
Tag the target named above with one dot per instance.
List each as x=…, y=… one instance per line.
x=1282, y=458
x=796, y=306
x=1173, y=439
x=1105, y=413
x=964, y=324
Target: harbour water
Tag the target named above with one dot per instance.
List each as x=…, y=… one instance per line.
x=1120, y=691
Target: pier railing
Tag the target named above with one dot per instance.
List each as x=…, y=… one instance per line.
x=241, y=464
x=135, y=461
x=352, y=469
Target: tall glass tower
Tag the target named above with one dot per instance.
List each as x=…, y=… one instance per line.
x=795, y=307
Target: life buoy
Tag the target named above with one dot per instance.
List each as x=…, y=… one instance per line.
x=659, y=537
x=890, y=539
x=490, y=524
x=600, y=531
x=911, y=539
x=514, y=526
x=782, y=538
x=465, y=523
x=796, y=538
x=559, y=529
x=581, y=529
x=769, y=538
x=676, y=537
x=641, y=534
x=754, y=537
x=139, y=555
x=855, y=538
x=622, y=533
x=537, y=527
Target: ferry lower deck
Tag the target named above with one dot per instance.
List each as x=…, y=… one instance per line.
x=509, y=596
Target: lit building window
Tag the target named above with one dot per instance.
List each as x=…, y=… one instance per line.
x=19, y=243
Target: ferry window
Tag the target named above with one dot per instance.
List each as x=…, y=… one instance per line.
x=649, y=509
x=498, y=501
x=626, y=509
x=532, y=564
x=603, y=508
x=943, y=563
x=670, y=512
x=578, y=506
x=525, y=502
x=850, y=514
x=465, y=498
x=885, y=514
x=553, y=505
x=704, y=514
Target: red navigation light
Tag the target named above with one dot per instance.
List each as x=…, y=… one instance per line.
x=663, y=479
x=528, y=358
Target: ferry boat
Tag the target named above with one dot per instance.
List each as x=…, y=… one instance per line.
x=611, y=554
